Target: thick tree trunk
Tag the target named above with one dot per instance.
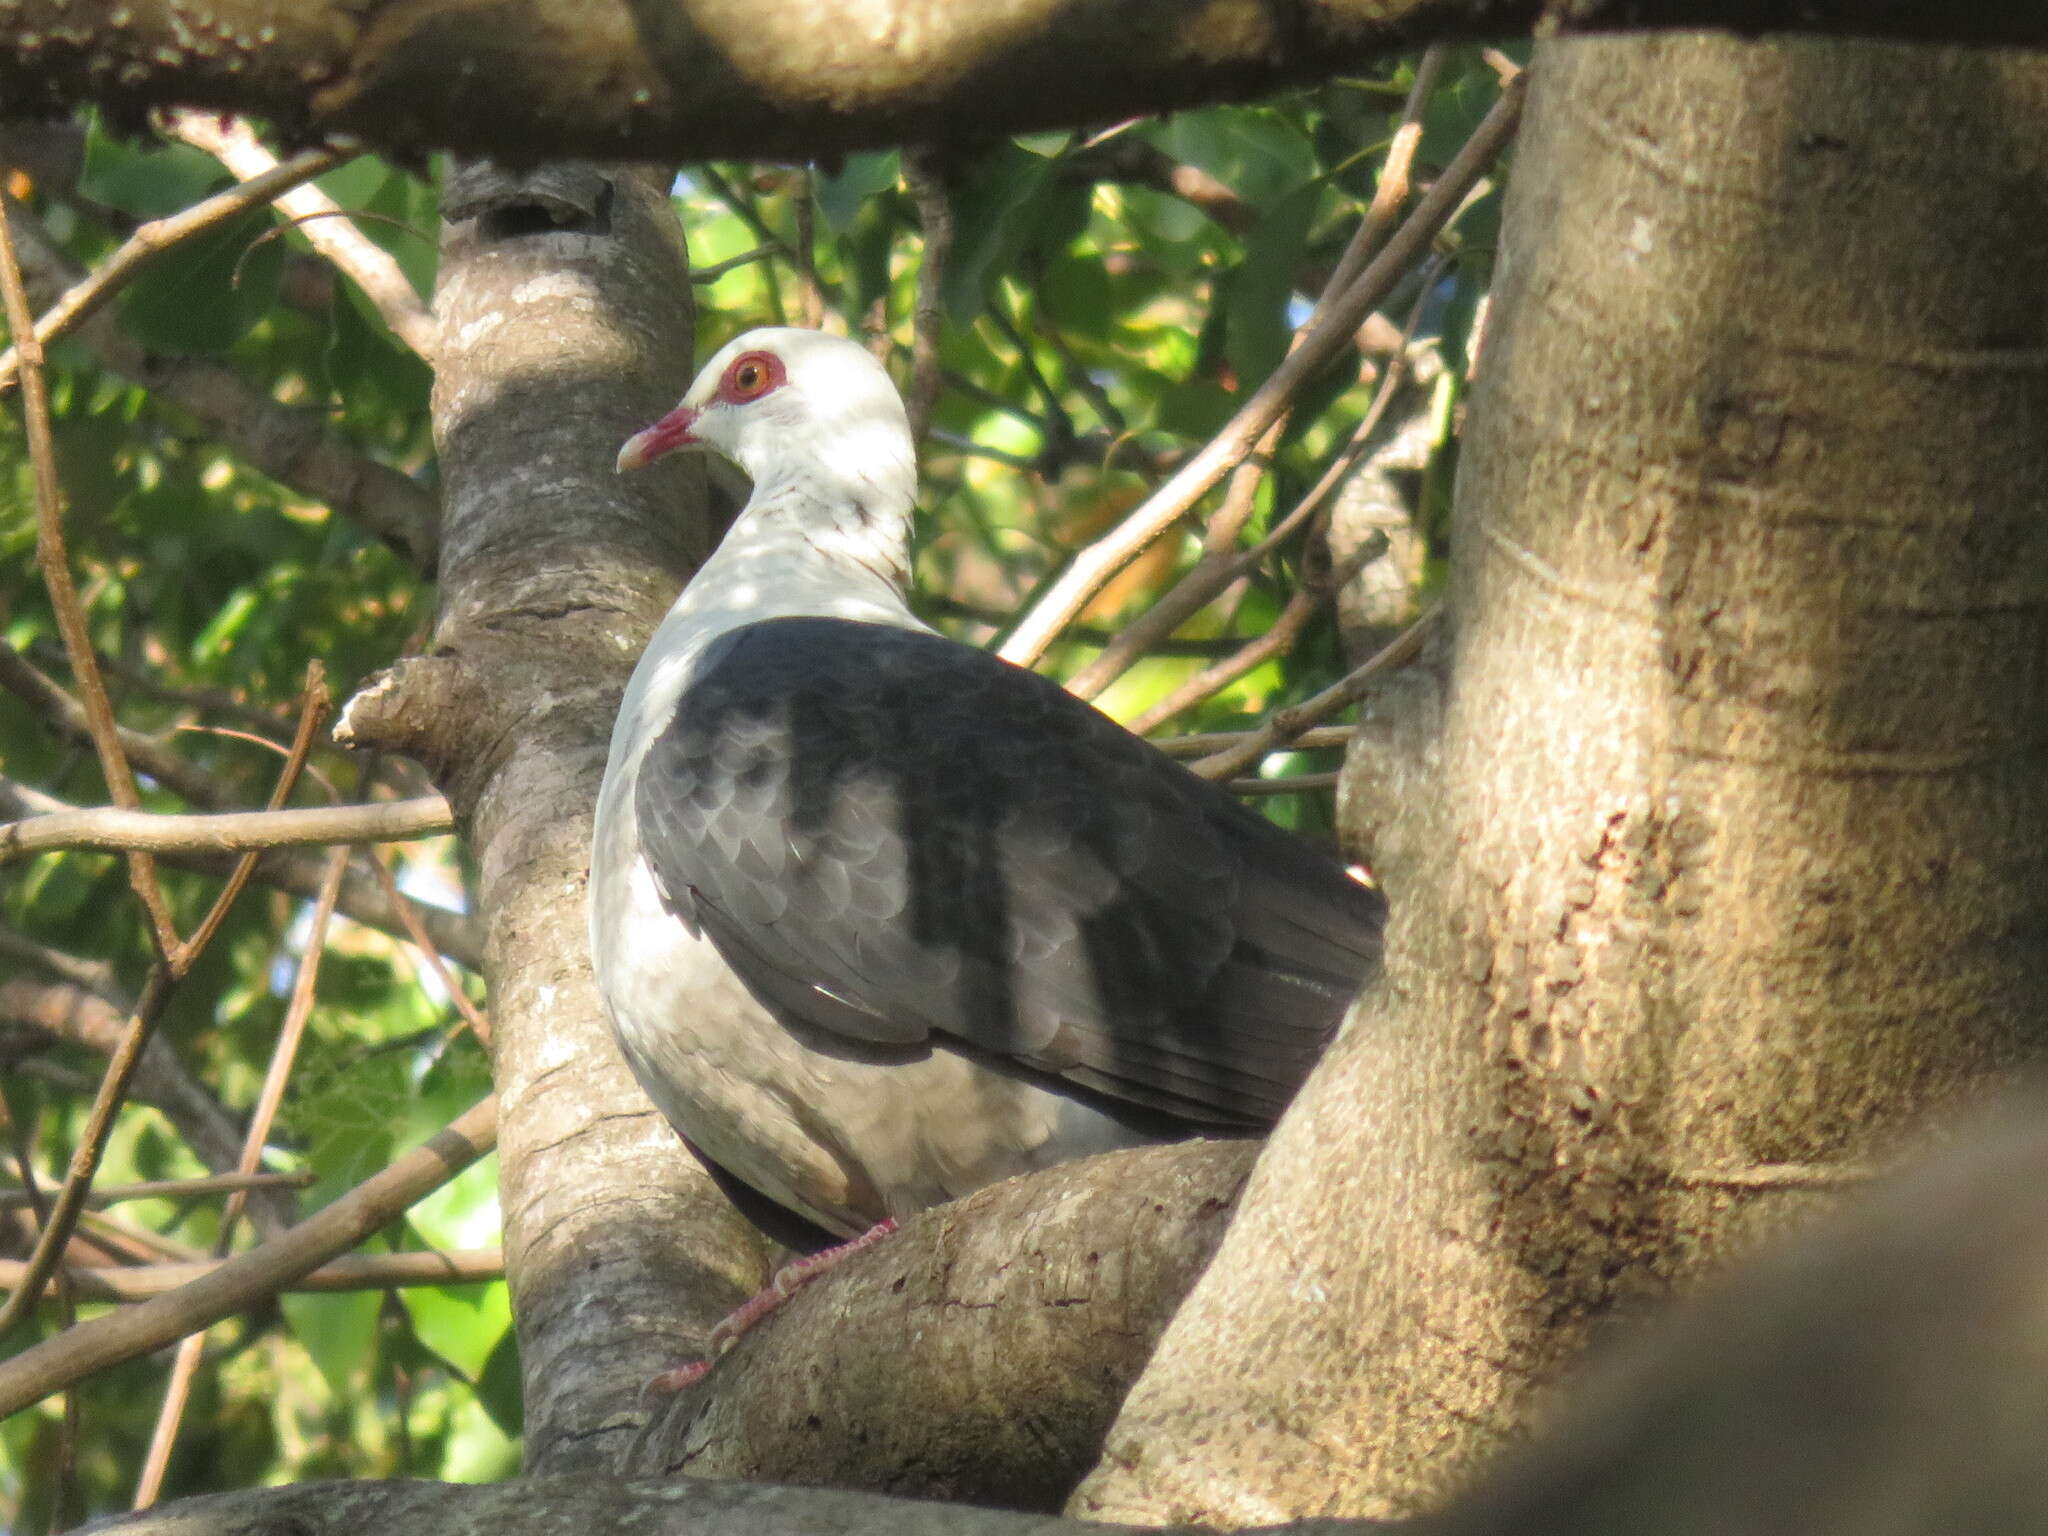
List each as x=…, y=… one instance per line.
x=1721, y=859
x=564, y=304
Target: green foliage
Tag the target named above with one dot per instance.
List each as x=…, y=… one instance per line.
x=1099, y=324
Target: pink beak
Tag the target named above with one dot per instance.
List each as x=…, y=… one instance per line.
x=665, y=436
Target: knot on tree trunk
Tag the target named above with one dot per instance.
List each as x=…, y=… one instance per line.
x=423, y=707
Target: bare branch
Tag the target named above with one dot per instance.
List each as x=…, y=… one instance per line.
x=175, y=1189
x=1297, y=784
x=349, y=1272
x=924, y=175
x=1321, y=339
x=185, y=1362
x=453, y=934
x=111, y=828
x=1204, y=743
x=55, y=561
x=324, y=223
x=718, y=269
x=250, y=1277
x=290, y=444
x=1277, y=640
x=1283, y=725
x=151, y=240
x=1392, y=192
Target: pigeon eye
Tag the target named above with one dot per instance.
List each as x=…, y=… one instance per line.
x=751, y=377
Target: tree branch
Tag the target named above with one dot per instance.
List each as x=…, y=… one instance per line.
x=349, y=1272
x=111, y=828
x=175, y=1189
x=153, y=239
x=253, y=1276
x=718, y=78
x=324, y=223
x=290, y=444
x=1327, y=331
x=55, y=561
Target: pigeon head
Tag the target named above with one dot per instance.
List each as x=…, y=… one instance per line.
x=792, y=407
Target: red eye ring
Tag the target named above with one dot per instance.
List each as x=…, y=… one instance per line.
x=750, y=376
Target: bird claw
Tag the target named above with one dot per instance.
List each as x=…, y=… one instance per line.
x=788, y=1280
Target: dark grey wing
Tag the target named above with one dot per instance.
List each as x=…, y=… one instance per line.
x=889, y=835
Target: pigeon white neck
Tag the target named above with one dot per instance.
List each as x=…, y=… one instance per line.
x=797, y=552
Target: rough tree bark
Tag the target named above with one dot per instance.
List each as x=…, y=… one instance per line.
x=534, y=79
x=564, y=304
x=1722, y=857
x=981, y=1353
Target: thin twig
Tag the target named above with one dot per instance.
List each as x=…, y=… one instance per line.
x=1204, y=743
x=1214, y=572
x=85, y=1157
x=1392, y=192
x=1217, y=568
x=185, y=1363
x=408, y=916
x=324, y=223
x=1283, y=725
x=249, y=1277
x=1277, y=640
x=807, y=248
x=1322, y=338
x=129, y=1245
x=454, y=934
x=924, y=175
x=109, y=828
x=349, y=1272
x=41, y=693
x=313, y=710
x=1300, y=784
x=55, y=561
x=743, y=207
x=718, y=269
x=1061, y=429
x=1220, y=564
x=175, y=1189
x=151, y=240
x=1077, y=375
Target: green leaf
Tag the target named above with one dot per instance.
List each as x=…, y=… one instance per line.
x=863, y=177
x=463, y=1324
x=337, y=1331
x=144, y=179
x=996, y=205
x=372, y=372
x=406, y=214
x=499, y=1388
x=1254, y=151
x=1255, y=308
x=202, y=295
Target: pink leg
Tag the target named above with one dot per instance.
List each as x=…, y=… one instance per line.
x=788, y=1280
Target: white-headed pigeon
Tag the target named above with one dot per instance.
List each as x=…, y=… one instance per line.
x=984, y=928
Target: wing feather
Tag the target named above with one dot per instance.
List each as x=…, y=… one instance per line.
x=890, y=836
